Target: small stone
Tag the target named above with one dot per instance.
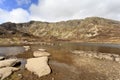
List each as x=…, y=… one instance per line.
x=20, y=76
x=43, y=50
x=26, y=48
x=53, y=78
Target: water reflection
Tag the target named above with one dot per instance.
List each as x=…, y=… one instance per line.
x=64, y=47
x=97, y=47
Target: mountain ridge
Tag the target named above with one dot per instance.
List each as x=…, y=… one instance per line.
x=88, y=29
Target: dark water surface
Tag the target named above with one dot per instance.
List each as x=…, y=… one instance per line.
x=64, y=47
x=97, y=47
x=11, y=50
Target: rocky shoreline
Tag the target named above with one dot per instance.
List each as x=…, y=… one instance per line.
x=37, y=65
x=7, y=67
x=101, y=56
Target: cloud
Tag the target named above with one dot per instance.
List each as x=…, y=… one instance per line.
x=16, y=15
x=21, y=2
x=57, y=10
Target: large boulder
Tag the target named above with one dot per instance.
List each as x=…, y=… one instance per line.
x=40, y=53
x=38, y=66
x=6, y=71
x=8, y=62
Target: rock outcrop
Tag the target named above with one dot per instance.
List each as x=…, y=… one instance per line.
x=103, y=56
x=88, y=29
x=6, y=71
x=38, y=66
x=6, y=67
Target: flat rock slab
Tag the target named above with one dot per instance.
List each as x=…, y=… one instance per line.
x=40, y=53
x=38, y=66
x=2, y=57
x=42, y=50
x=6, y=71
x=8, y=62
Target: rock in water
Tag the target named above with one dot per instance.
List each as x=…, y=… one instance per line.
x=26, y=48
x=40, y=54
x=7, y=71
x=38, y=66
x=42, y=50
x=8, y=62
x=1, y=57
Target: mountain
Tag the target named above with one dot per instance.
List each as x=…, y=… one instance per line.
x=93, y=29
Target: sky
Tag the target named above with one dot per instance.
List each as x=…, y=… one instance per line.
x=20, y=11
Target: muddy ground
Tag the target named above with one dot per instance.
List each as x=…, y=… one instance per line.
x=68, y=66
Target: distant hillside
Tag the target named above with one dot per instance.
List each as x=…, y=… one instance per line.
x=88, y=29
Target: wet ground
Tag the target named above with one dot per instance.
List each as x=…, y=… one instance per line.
x=68, y=66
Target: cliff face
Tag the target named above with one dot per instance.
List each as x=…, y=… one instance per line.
x=89, y=29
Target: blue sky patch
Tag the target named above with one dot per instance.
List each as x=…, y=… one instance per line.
x=13, y=4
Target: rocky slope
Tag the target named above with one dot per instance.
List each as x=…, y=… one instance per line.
x=88, y=29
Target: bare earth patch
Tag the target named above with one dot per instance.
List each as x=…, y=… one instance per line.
x=94, y=69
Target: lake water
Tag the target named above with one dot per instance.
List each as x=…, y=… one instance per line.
x=64, y=47
x=11, y=50
x=97, y=47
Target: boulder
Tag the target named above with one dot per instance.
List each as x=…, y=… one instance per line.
x=8, y=62
x=6, y=71
x=38, y=66
x=1, y=57
x=40, y=54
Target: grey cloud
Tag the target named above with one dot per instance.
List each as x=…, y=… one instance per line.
x=55, y=10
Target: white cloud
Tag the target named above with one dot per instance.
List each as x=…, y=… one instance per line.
x=16, y=15
x=56, y=10
x=21, y=2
